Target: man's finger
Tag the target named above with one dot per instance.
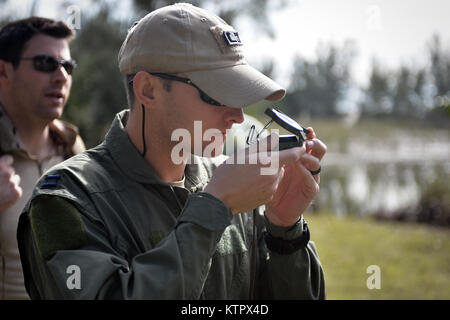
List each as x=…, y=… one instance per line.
x=6, y=160
x=317, y=148
x=310, y=162
x=7, y=171
x=311, y=135
x=311, y=181
x=290, y=155
x=15, y=179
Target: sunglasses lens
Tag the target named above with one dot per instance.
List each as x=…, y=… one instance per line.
x=69, y=66
x=45, y=63
x=50, y=64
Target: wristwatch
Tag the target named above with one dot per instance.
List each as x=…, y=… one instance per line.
x=283, y=246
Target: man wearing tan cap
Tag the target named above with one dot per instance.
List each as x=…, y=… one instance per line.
x=126, y=221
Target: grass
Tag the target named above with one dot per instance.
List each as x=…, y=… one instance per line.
x=414, y=259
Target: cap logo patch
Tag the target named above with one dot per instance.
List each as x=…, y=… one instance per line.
x=232, y=38
x=228, y=41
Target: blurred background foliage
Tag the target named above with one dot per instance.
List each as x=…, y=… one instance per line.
x=319, y=88
x=388, y=142
x=97, y=92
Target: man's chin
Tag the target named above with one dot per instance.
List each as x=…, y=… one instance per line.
x=213, y=149
x=51, y=113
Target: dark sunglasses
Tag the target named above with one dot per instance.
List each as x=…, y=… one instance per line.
x=203, y=95
x=46, y=63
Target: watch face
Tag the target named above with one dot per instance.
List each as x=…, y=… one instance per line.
x=287, y=122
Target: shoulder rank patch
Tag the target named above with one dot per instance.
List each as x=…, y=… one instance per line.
x=50, y=181
x=56, y=225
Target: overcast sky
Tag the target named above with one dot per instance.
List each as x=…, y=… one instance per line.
x=393, y=31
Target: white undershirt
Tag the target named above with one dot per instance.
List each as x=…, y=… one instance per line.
x=179, y=184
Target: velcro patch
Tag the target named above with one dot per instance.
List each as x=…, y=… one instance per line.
x=228, y=41
x=156, y=238
x=231, y=242
x=56, y=225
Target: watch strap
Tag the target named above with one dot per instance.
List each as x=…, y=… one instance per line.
x=283, y=246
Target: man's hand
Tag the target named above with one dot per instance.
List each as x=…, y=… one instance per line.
x=242, y=187
x=10, y=191
x=298, y=187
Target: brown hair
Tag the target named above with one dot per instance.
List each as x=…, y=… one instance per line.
x=15, y=35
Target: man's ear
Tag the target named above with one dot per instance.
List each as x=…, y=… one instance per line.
x=144, y=88
x=6, y=71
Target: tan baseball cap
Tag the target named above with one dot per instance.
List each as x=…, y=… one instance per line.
x=182, y=38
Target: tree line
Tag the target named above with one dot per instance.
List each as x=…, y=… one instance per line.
x=318, y=88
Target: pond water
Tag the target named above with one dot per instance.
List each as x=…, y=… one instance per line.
x=367, y=175
x=373, y=177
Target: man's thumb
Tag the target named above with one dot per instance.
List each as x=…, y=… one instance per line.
x=291, y=155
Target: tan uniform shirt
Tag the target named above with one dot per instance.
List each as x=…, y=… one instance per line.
x=29, y=169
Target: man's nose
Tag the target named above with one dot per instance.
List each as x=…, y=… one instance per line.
x=234, y=115
x=60, y=75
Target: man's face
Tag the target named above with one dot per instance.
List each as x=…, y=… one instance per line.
x=206, y=123
x=36, y=94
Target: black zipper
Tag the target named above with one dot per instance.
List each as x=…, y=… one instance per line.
x=254, y=258
x=3, y=276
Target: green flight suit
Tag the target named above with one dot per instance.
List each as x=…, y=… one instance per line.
x=102, y=225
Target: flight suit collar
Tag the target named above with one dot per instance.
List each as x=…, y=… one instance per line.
x=63, y=134
x=10, y=141
x=128, y=158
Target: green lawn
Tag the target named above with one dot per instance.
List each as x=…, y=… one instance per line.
x=414, y=259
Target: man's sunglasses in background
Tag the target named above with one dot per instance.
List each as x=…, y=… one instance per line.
x=46, y=63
